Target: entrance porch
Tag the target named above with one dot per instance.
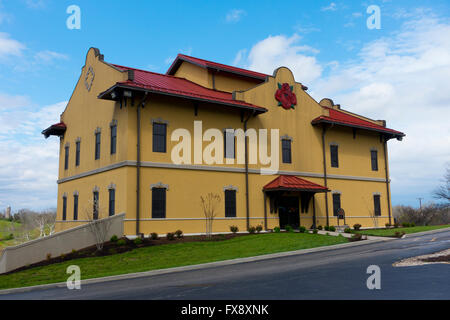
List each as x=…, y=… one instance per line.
x=290, y=197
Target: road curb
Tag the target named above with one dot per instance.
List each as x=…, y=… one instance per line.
x=409, y=235
x=194, y=267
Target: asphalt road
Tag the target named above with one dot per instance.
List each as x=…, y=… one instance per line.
x=334, y=274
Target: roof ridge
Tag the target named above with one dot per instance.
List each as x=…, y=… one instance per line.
x=174, y=77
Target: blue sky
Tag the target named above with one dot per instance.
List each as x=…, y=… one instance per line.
x=399, y=73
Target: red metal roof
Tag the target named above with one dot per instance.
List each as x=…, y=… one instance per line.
x=162, y=83
x=213, y=65
x=342, y=118
x=284, y=182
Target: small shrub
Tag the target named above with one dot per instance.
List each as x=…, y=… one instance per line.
x=9, y=237
x=112, y=251
x=412, y=225
x=259, y=228
x=399, y=234
x=49, y=256
x=121, y=242
x=356, y=237
x=405, y=225
x=320, y=227
x=357, y=226
x=62, y=256
x=74, y=252
x=170, y=236
x=388, y=225
x=114, y=239
x=276, y=230
x=234, y=229
x=154, y=236
x=396, y=225
x=251, y=230
x=137, y=241
x=348, y=230
x=332, y=229
x=315, y=231
x=289, y=228
x=302, y=229
x=327, y=228
x=179, y=234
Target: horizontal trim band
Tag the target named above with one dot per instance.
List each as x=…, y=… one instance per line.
x=237, y=218
x=148, y=164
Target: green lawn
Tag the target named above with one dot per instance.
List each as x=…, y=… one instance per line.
x=5, y=225
x=170, y=255
x=391, y=232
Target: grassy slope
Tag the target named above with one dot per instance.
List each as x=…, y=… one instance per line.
x=391, y=232
x=3, y=226
x=171, y=255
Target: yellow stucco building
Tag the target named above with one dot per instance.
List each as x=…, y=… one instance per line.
x=148, y=144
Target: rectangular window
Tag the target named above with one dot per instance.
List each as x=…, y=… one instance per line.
x=158, y=203
x=97, y=145
x=286, y=150
x=230, y=203
x=229, y=144
x=64, y=213
x=336, y=203
x=376, y=205
x=112, y=201
x=334, y=156
x=96, y=205
x=374, y=159
x=75, y=207
x=66, y=158
x=159, y=137
x=77, y=153
x=113, y=138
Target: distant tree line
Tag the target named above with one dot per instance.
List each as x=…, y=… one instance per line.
x=430, y=214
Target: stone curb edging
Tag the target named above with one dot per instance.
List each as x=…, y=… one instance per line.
x=409, y=235
x=193, y=267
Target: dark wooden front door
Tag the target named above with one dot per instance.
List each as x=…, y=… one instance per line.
x=288, y=212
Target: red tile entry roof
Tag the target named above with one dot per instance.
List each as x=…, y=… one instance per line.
x=342, y=118
x=166, y=84
x=213, y=65
x=293, y=183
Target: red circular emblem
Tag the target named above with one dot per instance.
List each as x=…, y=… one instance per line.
x=285, y=96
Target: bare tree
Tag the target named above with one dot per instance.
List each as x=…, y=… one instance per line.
x=27, y=219
x=443, y=191
x=209, y=206
x=45, y=222
x=372, y=214
x=98, y=228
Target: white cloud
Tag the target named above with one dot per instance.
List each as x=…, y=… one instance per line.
x=28, y=162
x=331, y=7
x=275, y=51
x=36, y=4
x=48, y=56
x=234, y=15
x=403, y=78
x=10, y=47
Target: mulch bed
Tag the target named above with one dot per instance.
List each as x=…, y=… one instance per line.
x=437, y=259
x=111, y=248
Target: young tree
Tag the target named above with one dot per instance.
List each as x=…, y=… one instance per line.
x=443, y=191
x=209, y=206
x=98, y=228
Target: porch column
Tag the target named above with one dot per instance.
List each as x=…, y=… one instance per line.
x=314, y=210
x=265, y=211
